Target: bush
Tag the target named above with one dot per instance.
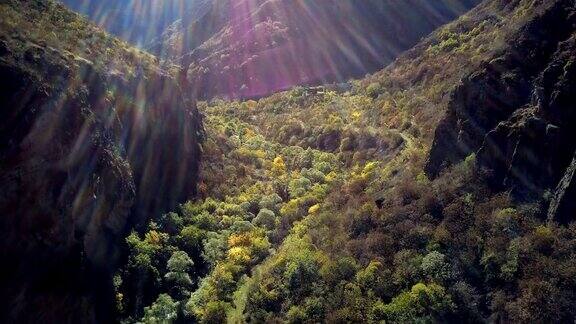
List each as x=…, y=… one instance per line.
x=373, y=90
x=270, y=202
x=299, y=187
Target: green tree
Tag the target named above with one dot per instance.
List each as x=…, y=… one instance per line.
x=300, y=273
x=435, y=266
x=423, y=303
x=163, y=311
x=143, y=268
x=270, y=202
x=171, y=223
x=215, y=312
x=265, y=218
x=375, y=278
x=178, y=266
x=215, y=247
x=373, y=89
x=296, y=315
x=190, y=240
x=299, y=187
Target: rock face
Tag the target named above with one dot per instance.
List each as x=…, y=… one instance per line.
x=251, y=48
x=518, y=112
x=85, y=155
x=563, y=205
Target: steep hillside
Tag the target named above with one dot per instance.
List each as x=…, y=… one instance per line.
x=439, y=189
x=251, y=48
x=516, y=111
x=95, y=138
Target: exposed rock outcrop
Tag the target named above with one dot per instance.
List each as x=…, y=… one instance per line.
x=518, y=112
x=252, y=48
x=563, y=206
x=86, y=153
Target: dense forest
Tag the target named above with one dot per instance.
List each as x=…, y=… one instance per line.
x=440, y=188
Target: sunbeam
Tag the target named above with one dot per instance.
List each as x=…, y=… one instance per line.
x=287, y=161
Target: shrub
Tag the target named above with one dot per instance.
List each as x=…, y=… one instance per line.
x=373, y=89
x=298, y=187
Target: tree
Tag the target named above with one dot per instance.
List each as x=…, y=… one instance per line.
x=178, y=266
x=300, y=273
x=314, y=175
x=265, y=218
x=296, y=315
x=215, y=312
x=143, y=269
x=171, y=223
x=270, y=202
x=423, y=303
x=190, y=239
x=407, y=267
x=373, y=90
x=163, y=311
x=375, y=278
x=298, y=187
x=278, y=166
x=435, y=266
x=215, y=248
x=342, y=269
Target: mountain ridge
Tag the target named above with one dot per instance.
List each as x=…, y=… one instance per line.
x=85, y=156
x=264, y=36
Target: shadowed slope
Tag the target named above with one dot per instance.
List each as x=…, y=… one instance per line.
x=94, y=139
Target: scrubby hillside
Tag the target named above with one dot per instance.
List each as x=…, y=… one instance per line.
x=439, y=189
x=251, y=48
x=95, y=138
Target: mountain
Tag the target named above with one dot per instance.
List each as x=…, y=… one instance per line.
x=95, y=138
x=515, y=113
x=439, y=189
x=140, y=22
x=251, y=48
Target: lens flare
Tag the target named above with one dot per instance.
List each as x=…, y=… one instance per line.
x=251, y=48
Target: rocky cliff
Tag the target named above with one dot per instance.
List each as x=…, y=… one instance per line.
x=94, y=138
x=516, y=113
x=252, y=48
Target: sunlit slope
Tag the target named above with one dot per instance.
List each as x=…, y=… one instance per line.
x=457, y=246
x=329, y=209
x=95, y=137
